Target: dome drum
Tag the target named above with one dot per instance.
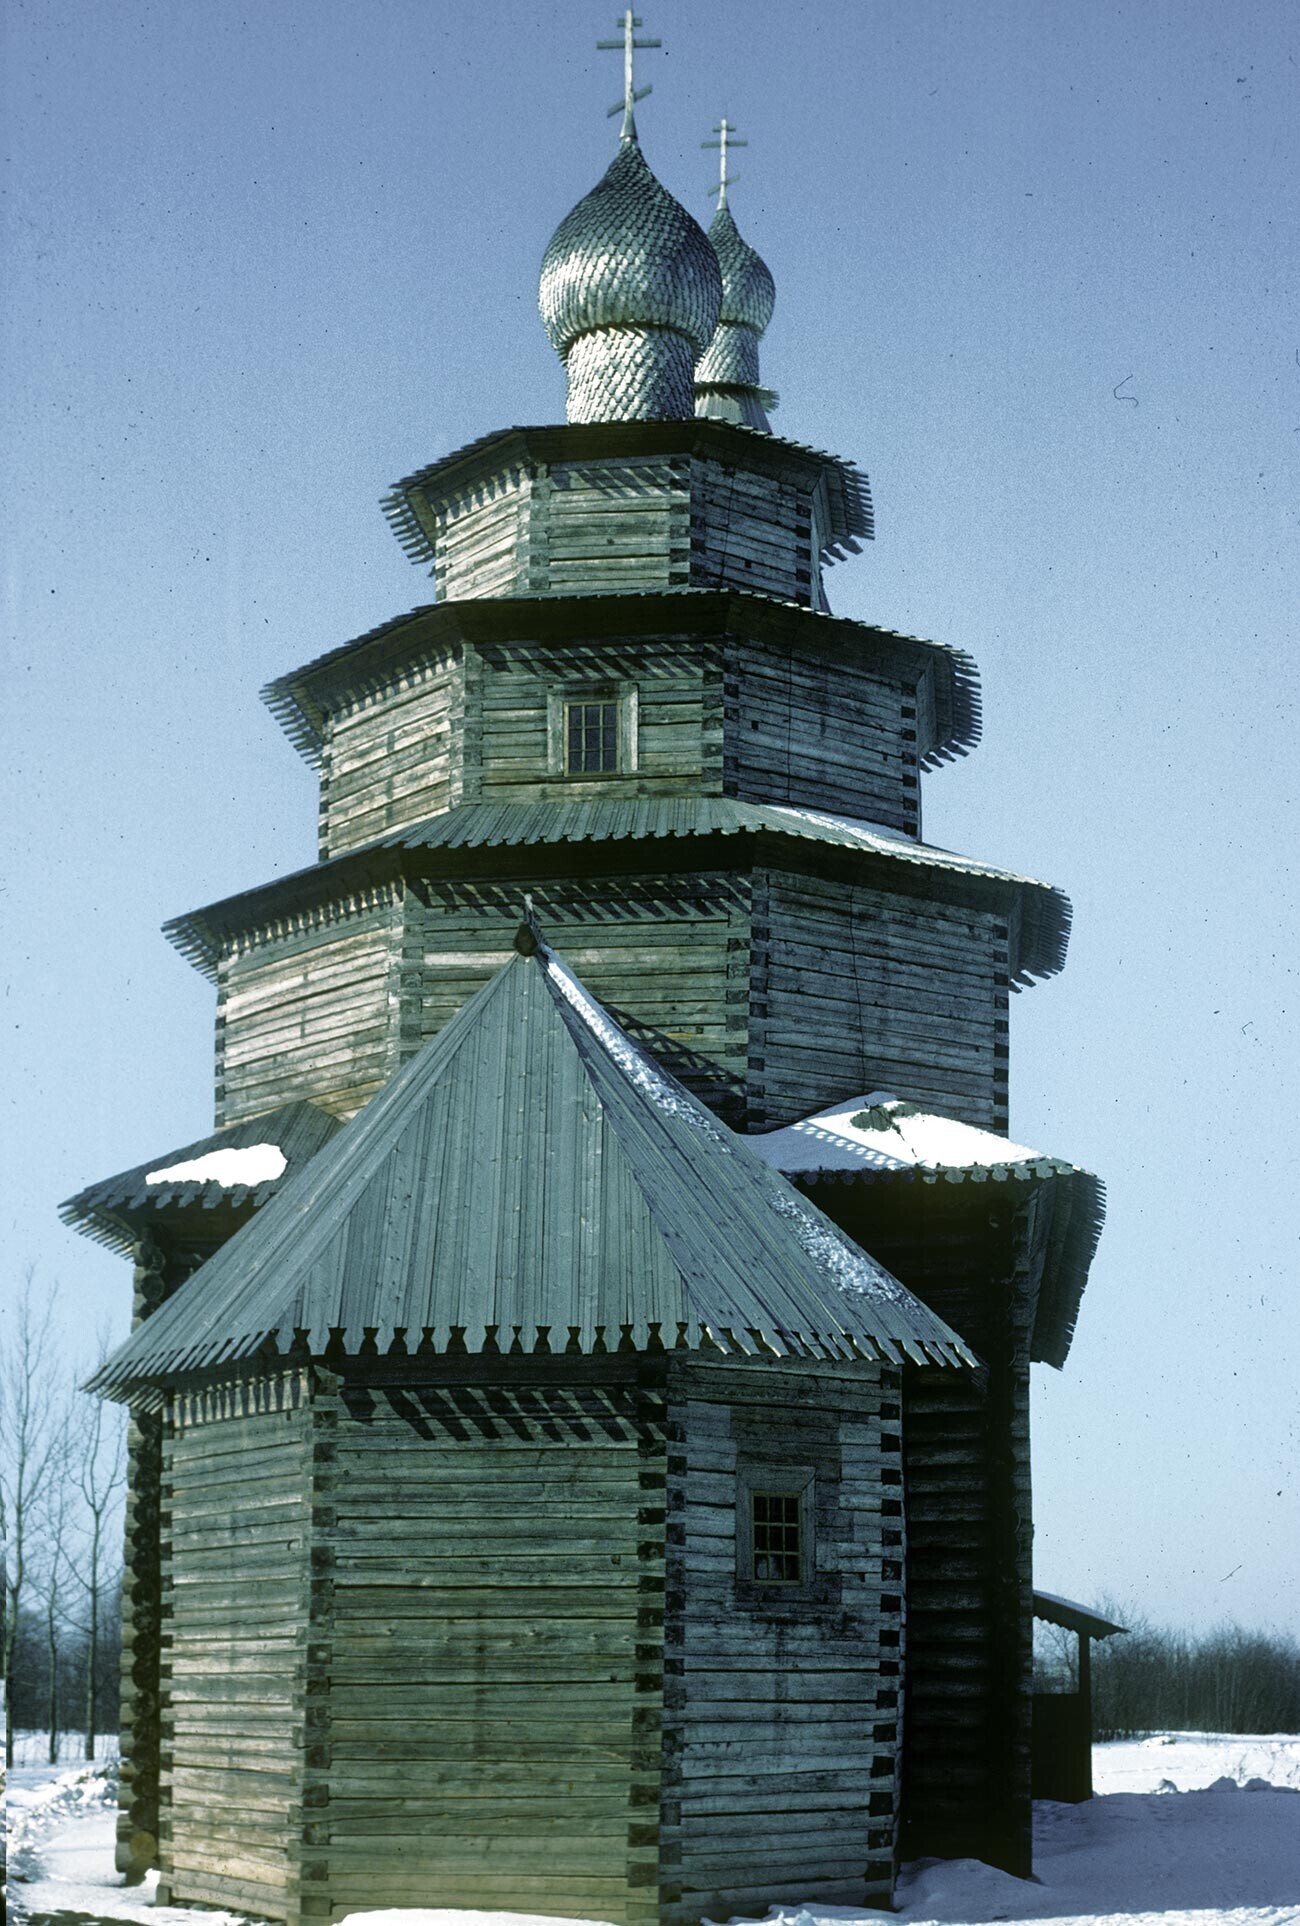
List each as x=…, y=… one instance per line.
x=731, y=358
x=630, y=374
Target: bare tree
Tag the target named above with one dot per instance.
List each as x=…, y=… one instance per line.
x=54, y=1558
x=98, y=1457
x=32, y=1453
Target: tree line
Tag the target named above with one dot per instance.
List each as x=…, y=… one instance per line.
x=1151, y=1679
x=62, y=1479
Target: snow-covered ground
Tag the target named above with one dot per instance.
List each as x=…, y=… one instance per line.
x=1188, y=1829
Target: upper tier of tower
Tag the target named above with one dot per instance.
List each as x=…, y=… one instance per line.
x=631, y=506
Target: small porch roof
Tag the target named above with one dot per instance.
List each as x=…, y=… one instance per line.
x=1074, y=1618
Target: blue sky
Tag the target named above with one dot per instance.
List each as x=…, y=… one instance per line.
x=261, y=261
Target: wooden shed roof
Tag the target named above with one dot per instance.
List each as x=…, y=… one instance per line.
x=1040, y=915
x=877, y=1137
x=300, y=698
x=533, y=1181
x=118, y=1210
x=1074, y=1618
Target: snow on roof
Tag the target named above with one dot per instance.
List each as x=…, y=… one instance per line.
x=879, y=1132
x=250, y=1165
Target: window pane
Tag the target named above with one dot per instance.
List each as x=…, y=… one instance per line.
x=778, y=1552
x=591, y=738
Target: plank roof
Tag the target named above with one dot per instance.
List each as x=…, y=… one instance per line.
x=531, y=1180
x=1074, y=1618
x=119, y=1210
x=848, y=492
x=300, y=698
x=878, y=1137
x=1041, y=914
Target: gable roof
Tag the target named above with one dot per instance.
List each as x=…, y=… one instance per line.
x=531, y=1180
x=879, y=1137
x=119, y=1210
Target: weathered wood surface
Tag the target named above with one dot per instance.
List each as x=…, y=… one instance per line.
x=635, y=522
x=236, y=1507
x=392, y=754
x=969, y=1516
x=307, y=1016
x=856, y=990
x=490, y=1702
x=800, y=724
x=780, y=1714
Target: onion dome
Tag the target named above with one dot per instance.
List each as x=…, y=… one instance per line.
x=630, y=295
x=726, y=378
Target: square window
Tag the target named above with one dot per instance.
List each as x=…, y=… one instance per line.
x=590, y=738
x=776, y=1537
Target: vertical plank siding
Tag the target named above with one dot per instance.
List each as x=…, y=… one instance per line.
x=781, y=1716
x=235, y=1533
x=857, y=990
x=496, y=1561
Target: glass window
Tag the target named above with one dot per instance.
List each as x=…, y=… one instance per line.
x=590, y=738
x=776, y=1537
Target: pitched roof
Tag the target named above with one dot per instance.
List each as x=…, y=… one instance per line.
x=532, y=1180
x=118, y=1210
x=877, y=1136
x=1041, y=915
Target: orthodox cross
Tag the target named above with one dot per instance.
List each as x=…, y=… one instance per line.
x=631, y=94
x=724, y=143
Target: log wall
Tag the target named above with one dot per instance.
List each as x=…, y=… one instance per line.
x=668, y=954
x=781, y=1713
x=491, y=1649
x=974, y=1255
x=236, y=1517
x=392, y=755
x=807, y=728
x=632, y=523
x=857, y=990
x=305, y=1014
x=513, y=699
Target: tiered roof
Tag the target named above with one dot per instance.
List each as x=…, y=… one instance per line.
x=534, y=1182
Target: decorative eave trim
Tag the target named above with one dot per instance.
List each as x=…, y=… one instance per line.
x=301, y=702
x=180, y=1366
x=852, y=520
x=1078, y=1217
x=373, y=876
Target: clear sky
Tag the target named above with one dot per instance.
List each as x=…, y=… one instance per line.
x=1035, y=273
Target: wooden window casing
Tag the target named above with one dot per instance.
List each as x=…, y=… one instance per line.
x=590, y=738
x=592, y=731
x=775, y=1552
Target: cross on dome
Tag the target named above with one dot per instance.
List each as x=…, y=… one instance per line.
x=725, y=142
x=626, y=45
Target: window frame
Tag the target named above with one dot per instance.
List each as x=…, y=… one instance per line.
x=558, y=700
x=778, y=1481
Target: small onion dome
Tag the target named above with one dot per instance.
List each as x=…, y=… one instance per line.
x=726, y=377
x=630, y=295
x=748, y=290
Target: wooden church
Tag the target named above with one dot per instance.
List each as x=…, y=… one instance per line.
x=579, y=1443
